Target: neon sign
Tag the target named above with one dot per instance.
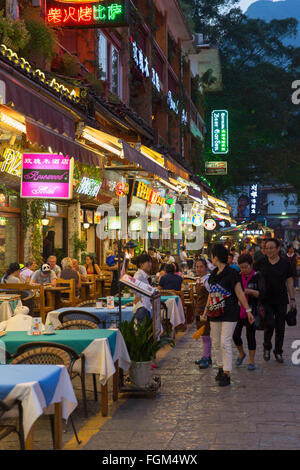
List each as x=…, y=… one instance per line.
x=87, y=14
x=12, y=162
x=219, y=131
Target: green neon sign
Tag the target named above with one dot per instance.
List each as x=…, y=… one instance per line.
x=219, y=132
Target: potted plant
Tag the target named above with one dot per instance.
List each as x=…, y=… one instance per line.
x=142, y=347
x=126, y=292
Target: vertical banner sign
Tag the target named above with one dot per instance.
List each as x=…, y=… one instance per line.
x=219, y=132
x=87, y=14
x=253, y=200
x=46, y=176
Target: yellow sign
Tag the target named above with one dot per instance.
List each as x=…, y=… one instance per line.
x=12, y=162
x=145, y=192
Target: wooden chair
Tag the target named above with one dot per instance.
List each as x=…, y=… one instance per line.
x=7, y=428
x=70, y=283
x=39, y=297
x=93, y=287
x=188, y=302
x=46, y=355
x=108, y=277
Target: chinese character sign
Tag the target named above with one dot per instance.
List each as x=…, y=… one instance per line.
x=253, y=200
x=219, y=132
x=46, y=176
x=82, y=14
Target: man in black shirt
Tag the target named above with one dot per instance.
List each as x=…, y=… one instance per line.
x=278, y=278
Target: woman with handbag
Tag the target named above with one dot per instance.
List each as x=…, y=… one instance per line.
x=253, y=286
x=222, y=310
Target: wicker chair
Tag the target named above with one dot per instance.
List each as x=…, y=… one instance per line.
x=78, y=325
x=47, y=355
x=8, y=428
x=79, y=315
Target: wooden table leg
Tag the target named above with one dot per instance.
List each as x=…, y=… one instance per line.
x=116, y=382
x=29, y=440
x=104, y=400
x=58, y=426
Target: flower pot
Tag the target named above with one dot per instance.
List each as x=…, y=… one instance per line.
x=141, y=374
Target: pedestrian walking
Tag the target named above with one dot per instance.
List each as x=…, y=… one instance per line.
x=222, y=310
x=253, y=286
x=202, y=288
x=278, y=276
x=293, y=258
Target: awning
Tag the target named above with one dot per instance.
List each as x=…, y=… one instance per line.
x=42, y=135
x=176, y=169
x=194, y=193
x=134, y=156
x=32, y=103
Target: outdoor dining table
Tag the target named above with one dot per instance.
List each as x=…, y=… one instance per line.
x=104, y=352
x=38, y=388
x=109, y=315
x=85, y=289
x=54, y=293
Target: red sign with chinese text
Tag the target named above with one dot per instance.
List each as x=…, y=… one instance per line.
x=87, y=14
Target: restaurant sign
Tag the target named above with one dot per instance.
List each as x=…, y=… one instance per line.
x=219, y=131
x=145, y=192
x=216, y=168
x=46, y=176
x=12, y=163
x=87, y=14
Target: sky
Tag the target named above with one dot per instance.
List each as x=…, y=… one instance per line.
x=244, y=4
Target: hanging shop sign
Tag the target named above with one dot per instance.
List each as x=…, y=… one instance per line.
x=12, y=163
x=219, y=131
x=122, y=189
x=145, y=192
x=89, y=216
x=46, y=176
x=197, y=220
x=89, y=187
x=253, y=200
x=210, y=224
x=87, y=14
x=252, y=232
x=216, y=168
x=37, y=74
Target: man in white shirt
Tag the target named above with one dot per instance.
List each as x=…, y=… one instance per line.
x=168, y=258
x=142, y=303
x=28, y=271
x=183, y=257
x=53, y=266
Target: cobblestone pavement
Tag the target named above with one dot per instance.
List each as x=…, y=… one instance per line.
x=260, y=410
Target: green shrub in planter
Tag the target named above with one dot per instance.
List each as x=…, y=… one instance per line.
x=140, y=341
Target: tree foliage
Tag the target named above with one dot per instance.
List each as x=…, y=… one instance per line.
x=257, y=72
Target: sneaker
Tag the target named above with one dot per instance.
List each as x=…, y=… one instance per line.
x=267, y=355
x=219, y=374
x=224, y=381
x=240, y=360
x=209, y=361
x=279, y=358
x=251, y=367
x=202, y=360
x=204, y=363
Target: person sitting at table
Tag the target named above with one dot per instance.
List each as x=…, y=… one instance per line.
x=54, y=267
x=44, y=276
x=170, y=281
x=80, y=269
x=21, y=321
x=154, y=260
x=68, y=273
x=168, y=259
x=13, y=274
x=177, y=270
x=27, y=272
x=90, y=266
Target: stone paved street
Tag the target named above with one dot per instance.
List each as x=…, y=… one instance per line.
x=260, y=410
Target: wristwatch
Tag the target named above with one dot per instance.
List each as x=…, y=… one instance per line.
x=249, y=310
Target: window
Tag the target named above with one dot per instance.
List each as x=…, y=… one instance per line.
x=109, y=64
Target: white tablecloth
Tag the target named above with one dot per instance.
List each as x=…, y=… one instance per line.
x=98, y=358
x=33, y=400
x=175, y=312
x=6, y=310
